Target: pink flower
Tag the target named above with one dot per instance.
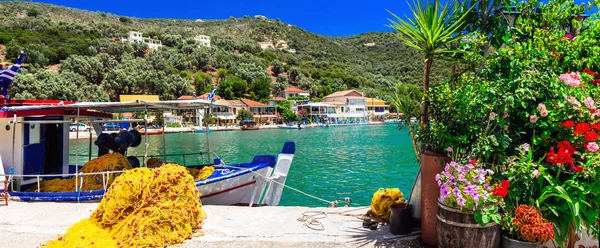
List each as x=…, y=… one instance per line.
x=592, y=146
x=589, y=103
x=533, y=118
x=542, y=108
x=570, y=37
x=573, y=101
x=449, y=149
x=492, y=116
x=571, y=78
x=505, y=115
x=536, y=173
x=525, y=147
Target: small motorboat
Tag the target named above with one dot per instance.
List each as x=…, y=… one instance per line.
x=298, y=126
x=202, y=130
x=150, y=131
x=247, y=125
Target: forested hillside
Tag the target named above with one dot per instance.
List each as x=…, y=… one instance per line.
x=77, y=55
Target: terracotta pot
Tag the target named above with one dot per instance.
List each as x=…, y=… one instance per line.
x=456, y=228
x=431, y=165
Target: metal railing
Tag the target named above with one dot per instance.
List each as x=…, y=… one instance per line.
x=78, y=183
x=202, y=156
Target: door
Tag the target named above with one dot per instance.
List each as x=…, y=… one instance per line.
x=43, y=147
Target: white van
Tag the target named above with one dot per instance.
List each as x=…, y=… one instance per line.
x=82, y=127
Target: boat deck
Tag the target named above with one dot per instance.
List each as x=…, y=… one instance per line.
x=27, y=224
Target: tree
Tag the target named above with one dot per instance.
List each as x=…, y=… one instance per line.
x=139, y=49
x=90, y=67
x=432, y=30
x=158, y=118
x=280, y=85
x=289, y=115
x=67, y=86
x=244, y=115
x=222, y=73
x=200, y=58
x=172, y=40
x=261, y=87
x=277, y=67
x=249, y=71
x=294, y=72
x=33, y=12
x=238, y=86
x=283, y=106
x=307, y=85
x=202, y=82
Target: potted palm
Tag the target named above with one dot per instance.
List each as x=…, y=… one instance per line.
x=432, y=30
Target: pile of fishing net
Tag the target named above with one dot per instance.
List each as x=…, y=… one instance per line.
x=383, y=199
x=142, y=208
x=197, y=174
x=108, y=162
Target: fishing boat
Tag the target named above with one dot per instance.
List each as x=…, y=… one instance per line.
x=246, y=125
x=36, y=143
x=149, y=131
x=297, y=126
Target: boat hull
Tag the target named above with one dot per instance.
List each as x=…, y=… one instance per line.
x=153, y=132
x=290, y=127
x=197, y=130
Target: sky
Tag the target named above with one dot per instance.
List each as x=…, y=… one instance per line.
x=325, y=17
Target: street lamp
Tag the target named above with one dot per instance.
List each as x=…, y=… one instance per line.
x=510, y=15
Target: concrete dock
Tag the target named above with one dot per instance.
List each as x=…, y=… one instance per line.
x=32, y=224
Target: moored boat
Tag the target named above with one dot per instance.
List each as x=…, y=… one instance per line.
x=36, y=150
x=144, y=131
x=246, y=125
x=202, y=130
x=297, y=126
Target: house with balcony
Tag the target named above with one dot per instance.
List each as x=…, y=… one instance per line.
x=317, y=112
x=293, y=93
x=202, y=40
x=377, y=109
x=136, y=37
x=350, y=106
x=223, y=113
x=263, y=113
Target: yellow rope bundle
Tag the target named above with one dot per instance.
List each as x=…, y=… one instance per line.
x=203, y=173
x=146, y=208
x=83, y=234
x=383, y=199
x=107, y=162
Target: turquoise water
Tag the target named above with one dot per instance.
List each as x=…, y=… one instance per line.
x=335, y=162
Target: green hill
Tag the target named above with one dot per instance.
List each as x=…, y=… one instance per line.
x=96, y=65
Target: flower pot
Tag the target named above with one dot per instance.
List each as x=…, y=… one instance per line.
x=431, y=165
x=456, y=228
x=401, y=219
x=513, y=243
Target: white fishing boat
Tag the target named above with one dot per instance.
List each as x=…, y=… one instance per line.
x=35, y=147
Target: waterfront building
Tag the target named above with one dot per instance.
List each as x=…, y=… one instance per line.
x=236, y=106
x=275, y=100
x=202, y=40
x=263, y=113
x=293, y=93
x=136, y=37
x=223, y=113
x=317, y=111
x=350, y=107
x=377, y=109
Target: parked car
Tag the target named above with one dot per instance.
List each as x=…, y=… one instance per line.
x=111, y=126
x=82, y=127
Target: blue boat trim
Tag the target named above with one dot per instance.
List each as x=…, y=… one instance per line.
x=218, y=175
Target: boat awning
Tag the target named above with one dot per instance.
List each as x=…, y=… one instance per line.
x=353, y=115
x=120, y=107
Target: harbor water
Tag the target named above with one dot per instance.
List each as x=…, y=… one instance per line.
x=331, y=163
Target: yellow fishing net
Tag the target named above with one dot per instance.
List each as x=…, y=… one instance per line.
x=203, y=173
x=383, y=199
x=144, y=208
x=84, y=234
x=108, y=162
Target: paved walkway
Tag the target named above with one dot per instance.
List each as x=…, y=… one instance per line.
x=31, y=224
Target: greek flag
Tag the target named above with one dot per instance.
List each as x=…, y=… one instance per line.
x=211, y=95
x=7, y=76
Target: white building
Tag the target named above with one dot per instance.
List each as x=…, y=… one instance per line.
x=350, y=106
x=266, y=44
x=136, y=37
x=202, y=40
x=294, y=92
x=260, y=17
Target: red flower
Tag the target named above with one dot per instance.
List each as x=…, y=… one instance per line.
x=565, y=146
x=591, y=136
x=569, y=124
x=590, y=72
x=565, y=150
x=473, y=162
x=581, y=128
x=505, y=184
x=595, y=126
x=500, y=191
x=592, y=111
x=578, y=169
x=595, y=82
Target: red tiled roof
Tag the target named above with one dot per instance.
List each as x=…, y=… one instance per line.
x=277, y=99
x=185, y=98
x=251, y=103
x=205, y=96
x=344, y=93
x=294, y=90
